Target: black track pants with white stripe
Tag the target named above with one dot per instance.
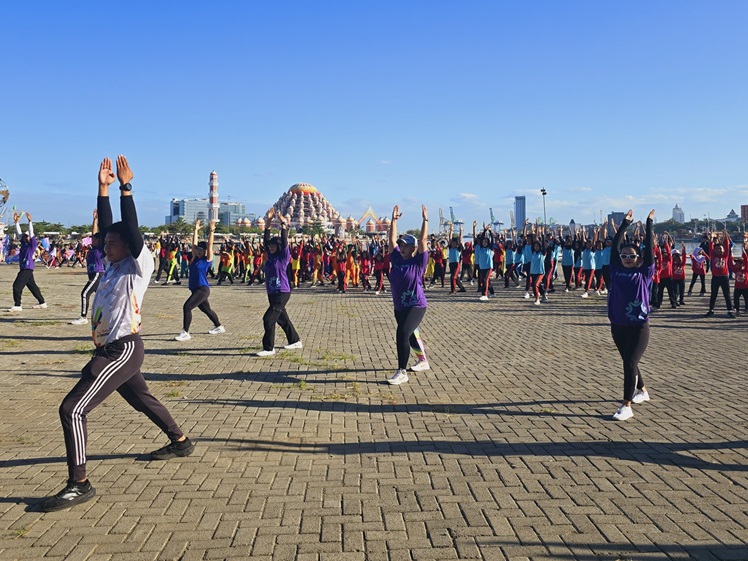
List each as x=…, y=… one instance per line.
x=91, y=286
x=115, y=367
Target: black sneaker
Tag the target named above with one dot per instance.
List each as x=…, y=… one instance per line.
x=709, y=313
x=73, y=494
x=174, y=450
x=730, y=315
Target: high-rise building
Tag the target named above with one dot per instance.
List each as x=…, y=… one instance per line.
x=744, y=213
x=520, y=211
x=188, y=209
x=617, y=220
x=229, y=213
x=678, y=215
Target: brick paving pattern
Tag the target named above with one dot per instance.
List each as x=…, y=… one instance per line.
x=503, y=451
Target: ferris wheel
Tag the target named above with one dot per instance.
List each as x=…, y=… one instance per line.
x=4, y=195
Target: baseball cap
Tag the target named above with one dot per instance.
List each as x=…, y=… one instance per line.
x=408, y=239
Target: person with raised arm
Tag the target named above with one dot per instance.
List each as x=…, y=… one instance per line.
x=408, y=259
x=278, y=288
x=199, y=286
x=95, y=268
x=119, y=353
x=631, y=271
x=25, y=277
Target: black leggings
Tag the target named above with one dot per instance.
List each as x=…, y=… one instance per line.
x=276, y=313
x=744, y=293
x=693, y=282
x=484, y=281
x=25, y=278
x=568, y=275
x=407, y=335
x=198, y=299
x=91, y=286
x=631, y=341
x=666, y=282
x=724, y=284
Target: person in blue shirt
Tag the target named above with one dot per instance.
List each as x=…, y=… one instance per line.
x=588, y=262
x=538, y=265
x=199, y=286
x=454, y=255
x=484, y=259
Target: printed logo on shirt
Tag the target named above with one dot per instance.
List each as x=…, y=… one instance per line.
x=274, y=283
x=409, y=298
x=636, y=311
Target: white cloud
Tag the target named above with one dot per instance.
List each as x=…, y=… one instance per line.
x=385, y=162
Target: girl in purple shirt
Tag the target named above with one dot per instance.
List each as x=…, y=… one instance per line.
x=278, y=288
x=631, y=272
x=408, y=262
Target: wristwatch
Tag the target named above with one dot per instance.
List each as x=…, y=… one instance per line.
x=126, y=187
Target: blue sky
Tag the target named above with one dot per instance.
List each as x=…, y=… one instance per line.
x=607, y=105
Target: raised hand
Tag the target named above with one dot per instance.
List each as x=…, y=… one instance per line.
x=106, y=176
x=270, y=214
x=95, y=214
x=124, y=173
x=28, y=217
x=651, y=214
x=396, y=212
x=16, y=217
x=424, y=212
x=630, y=215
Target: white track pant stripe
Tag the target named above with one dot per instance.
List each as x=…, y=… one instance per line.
x=77, y=415
x=85, y=293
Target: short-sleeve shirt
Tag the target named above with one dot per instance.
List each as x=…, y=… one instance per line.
x=406, y=280
x=199, y=273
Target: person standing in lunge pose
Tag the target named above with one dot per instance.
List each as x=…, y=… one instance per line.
x=631, y=271
x=25, y=276
x=118, y=357
x=278, y=288
x=95, y=268
x=197, y=281
x=406, y=283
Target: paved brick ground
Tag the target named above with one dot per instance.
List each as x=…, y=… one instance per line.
x=504, y=451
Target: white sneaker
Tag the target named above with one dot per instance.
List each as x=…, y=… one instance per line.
x=624, y=412
x=217, y=330
x=42, y=306
x=604, y=291
x=155, y=281
x=537, y=301
x=597, y=293
x=567, y=290
x=15, y=309
x=483, y=298
x=527, y=295
x=640, y=396
x=183, y=336
x=420, y=366
x=79, y=321
x=292, y=346
x=271, y=352
x=400, y=377
x=585, y=295
x=377, y=293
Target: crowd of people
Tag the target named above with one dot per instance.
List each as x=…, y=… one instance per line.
x=633, y=268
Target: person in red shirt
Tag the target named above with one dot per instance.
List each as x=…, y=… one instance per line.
x=364, y=268
x=653, y=302
x=666, y=272
x=740, y=268
x=679, y=275
x=437, y=254
x=721, y=261
x=699, y=261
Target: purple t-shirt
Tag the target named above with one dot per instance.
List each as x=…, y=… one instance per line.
x=406, y=279
x=26, y=254
x=628, y=302
x=276, y=275
x=95, y=260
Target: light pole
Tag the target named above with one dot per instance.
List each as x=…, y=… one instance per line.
x=544, y=193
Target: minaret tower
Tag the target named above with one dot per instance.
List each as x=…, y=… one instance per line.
x=213, y=205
